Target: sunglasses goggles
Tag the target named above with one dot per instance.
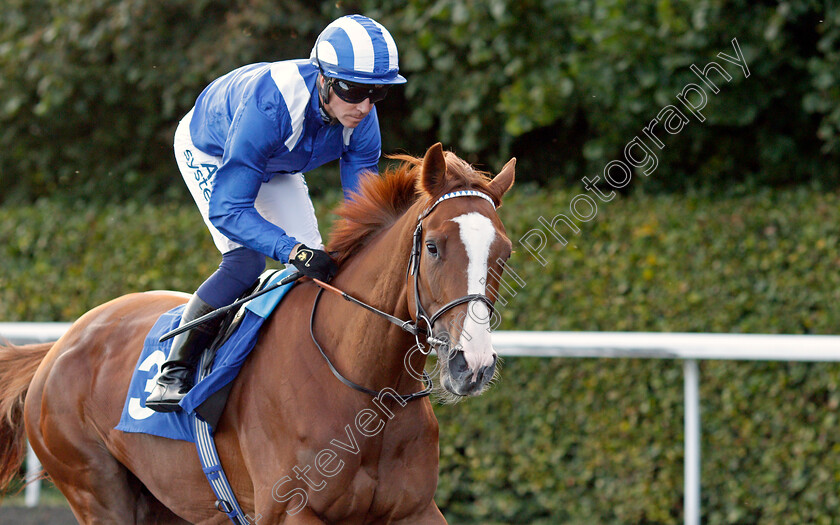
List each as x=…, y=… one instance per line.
x=353, y=93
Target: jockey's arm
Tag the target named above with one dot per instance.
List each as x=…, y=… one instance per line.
x=254, y=135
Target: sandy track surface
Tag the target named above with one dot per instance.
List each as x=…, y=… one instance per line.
x=37, y=516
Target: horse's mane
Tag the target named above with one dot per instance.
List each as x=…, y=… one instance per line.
x=381, y=200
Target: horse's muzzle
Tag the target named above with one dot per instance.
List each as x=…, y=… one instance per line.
x=464, y=381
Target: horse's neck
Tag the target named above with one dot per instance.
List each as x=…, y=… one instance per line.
x=371, y=349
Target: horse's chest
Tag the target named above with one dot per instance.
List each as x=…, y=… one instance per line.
x=380, y=476
x=371, y=495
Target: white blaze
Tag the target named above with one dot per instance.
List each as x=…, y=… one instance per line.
x=477, y=234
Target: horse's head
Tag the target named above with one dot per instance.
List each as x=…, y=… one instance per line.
x=461, y=247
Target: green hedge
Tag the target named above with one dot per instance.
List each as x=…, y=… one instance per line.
x=92, y=90
x=564, y=440
x=600, y=441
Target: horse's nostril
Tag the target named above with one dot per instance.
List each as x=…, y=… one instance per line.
x=488, y=371
x=458, y=366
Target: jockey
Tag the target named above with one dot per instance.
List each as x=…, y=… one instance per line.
x=242, y=151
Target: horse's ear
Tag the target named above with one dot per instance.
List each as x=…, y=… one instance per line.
x=502, y=182
x=433, y=176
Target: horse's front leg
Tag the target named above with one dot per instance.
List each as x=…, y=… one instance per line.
x=430, y=515
x=304, y=517
x=272, y=512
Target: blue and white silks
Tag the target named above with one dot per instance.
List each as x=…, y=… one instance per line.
x=229, y=359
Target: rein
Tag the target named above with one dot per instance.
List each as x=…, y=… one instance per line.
x=373, y=393
x=414, y=328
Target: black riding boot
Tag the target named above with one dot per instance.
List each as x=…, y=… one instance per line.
x=178, y=371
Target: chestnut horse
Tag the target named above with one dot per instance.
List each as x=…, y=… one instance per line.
x=297, y=445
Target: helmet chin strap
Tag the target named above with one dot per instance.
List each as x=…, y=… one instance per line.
x=323, y=99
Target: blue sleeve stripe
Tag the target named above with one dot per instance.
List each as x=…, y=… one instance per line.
x=293, y=88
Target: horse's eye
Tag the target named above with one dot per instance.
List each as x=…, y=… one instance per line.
x=432, y=247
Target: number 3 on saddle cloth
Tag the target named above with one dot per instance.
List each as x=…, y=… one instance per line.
x=207, y=398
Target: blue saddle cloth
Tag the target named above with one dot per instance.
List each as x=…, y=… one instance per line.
x=229, y=359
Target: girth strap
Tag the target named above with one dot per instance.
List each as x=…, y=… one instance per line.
x=210, y=463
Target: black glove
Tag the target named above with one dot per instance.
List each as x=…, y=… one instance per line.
x=316, y=264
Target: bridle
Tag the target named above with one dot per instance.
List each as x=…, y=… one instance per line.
x=414, y=268
x=416, y=328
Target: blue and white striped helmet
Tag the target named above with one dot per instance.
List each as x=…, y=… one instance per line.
x=357, y=49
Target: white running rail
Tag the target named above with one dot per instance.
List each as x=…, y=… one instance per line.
x=688, y=347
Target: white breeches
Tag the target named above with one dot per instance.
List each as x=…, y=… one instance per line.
x=283, y=201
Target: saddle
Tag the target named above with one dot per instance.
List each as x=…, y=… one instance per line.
x=211, y=409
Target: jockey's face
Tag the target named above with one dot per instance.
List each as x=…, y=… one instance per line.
x=349, y=115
